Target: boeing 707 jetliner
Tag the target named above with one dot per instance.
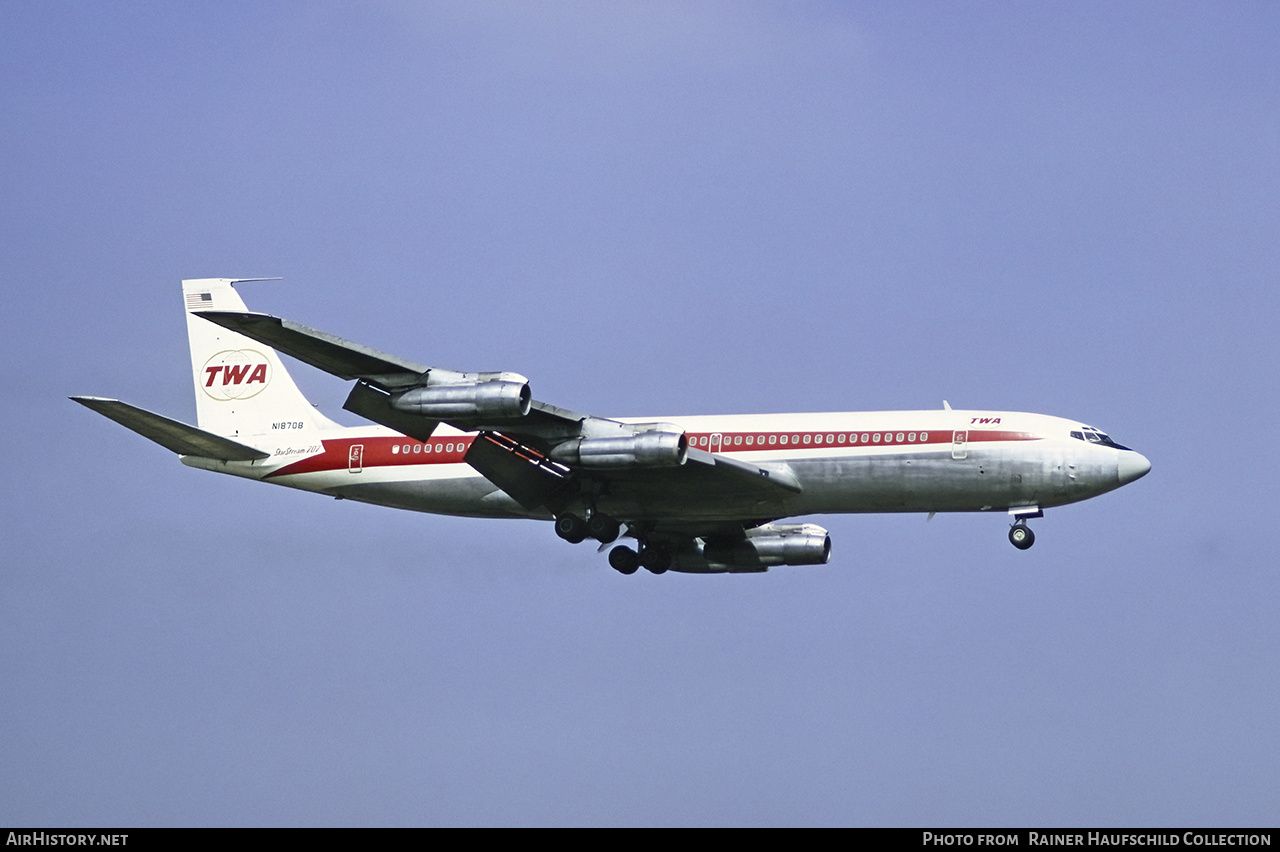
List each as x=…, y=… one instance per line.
x=697, y=494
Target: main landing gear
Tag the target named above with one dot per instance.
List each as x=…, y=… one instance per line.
x=624, y=560
x=604, y=529
x=574, y=529
x=571, y=528
x=653, y=558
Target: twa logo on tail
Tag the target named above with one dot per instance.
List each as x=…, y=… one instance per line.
x=235, y=374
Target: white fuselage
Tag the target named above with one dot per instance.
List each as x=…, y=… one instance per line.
x=882, y=461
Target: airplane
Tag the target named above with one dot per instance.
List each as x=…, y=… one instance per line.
x=705, y=494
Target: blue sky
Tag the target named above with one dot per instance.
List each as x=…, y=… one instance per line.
x=648, y=209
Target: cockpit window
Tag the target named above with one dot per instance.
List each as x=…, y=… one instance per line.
x=1093, y=436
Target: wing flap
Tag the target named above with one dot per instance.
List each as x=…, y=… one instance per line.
x=779, y=475
x=376, y=406
x=706, y=480
x=173, y=435
x=530, y=479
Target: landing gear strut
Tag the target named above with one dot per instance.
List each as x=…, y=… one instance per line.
x=1021, y=536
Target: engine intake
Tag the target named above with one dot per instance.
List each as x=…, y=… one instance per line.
x=656, y=448
x=479, y=400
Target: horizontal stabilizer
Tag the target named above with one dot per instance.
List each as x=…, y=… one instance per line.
x=321, y=350
x=171, y=434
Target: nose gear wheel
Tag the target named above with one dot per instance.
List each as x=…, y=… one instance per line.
x=1021, y=536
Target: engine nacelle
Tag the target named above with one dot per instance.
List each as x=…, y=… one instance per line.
x=654, y=448
x=497, y=399
x=758, y=550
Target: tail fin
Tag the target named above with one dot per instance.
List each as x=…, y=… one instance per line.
x=242, y=388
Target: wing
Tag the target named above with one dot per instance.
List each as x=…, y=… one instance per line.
x=542, y=455
x=384, y=382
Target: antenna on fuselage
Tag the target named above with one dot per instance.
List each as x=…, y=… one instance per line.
x=946, y=406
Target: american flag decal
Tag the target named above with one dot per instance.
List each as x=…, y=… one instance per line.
x=196, y=301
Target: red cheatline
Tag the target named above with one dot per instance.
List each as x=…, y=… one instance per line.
x=391, y=451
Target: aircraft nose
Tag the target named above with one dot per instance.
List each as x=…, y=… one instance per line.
x=1132, y=466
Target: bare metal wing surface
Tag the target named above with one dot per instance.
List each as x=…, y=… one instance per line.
x=335, y=356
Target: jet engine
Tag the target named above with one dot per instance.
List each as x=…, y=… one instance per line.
x=652, y=448
x=501, y=397
x=758, y=550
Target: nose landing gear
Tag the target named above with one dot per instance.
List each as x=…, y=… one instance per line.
x=1021, y=536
